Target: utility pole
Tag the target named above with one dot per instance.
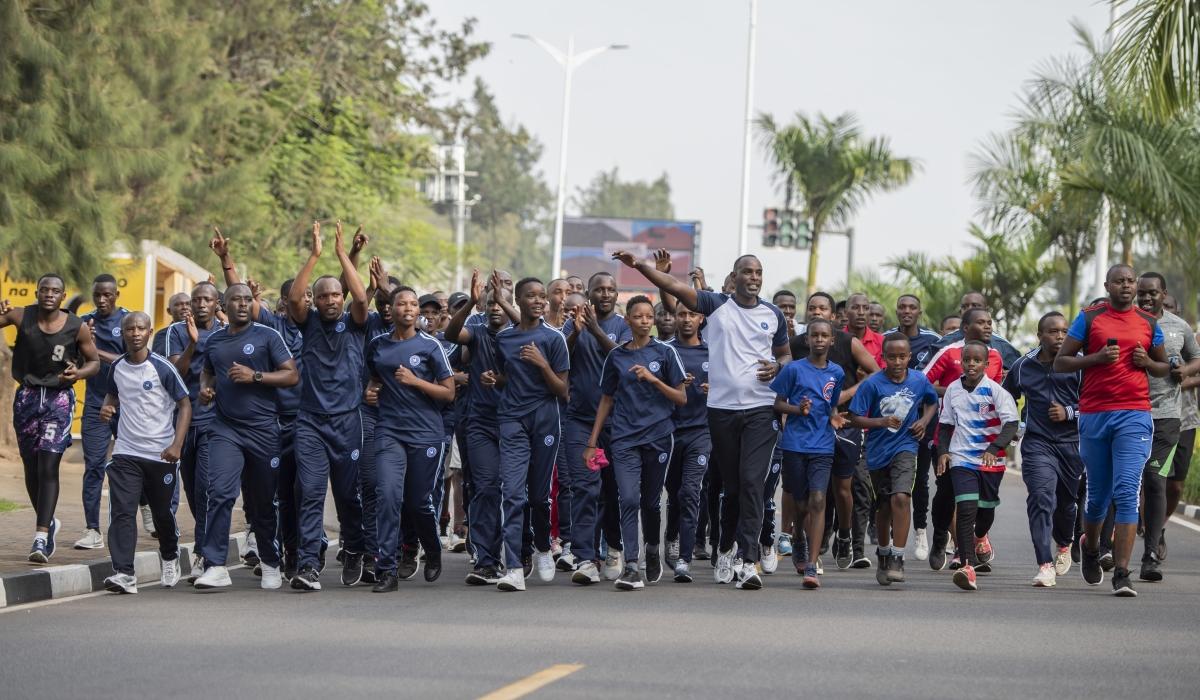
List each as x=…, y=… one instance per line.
x=744, y=211
x=447, y=184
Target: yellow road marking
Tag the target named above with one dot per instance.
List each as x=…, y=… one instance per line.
x=528, y=684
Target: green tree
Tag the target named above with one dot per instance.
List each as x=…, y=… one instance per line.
x=940, y=292
x=1157, y=53
x=607, y=195
x=833, y=169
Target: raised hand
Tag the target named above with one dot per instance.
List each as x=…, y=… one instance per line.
x=339, y=240
x=375, y=267
x=662, y=260
x=316, y=239
x=192, y=331
x=359, y=241
x=219, y=243
x=496, y=282
x=476, y=287
x=587, y=316
x=626, y=258
x=255, y=289
x=697, y=276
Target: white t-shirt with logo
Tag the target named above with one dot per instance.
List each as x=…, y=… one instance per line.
x=147, y=393
x=738, y=337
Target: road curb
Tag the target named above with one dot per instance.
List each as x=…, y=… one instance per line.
x=1190, y=512
x=67, y=580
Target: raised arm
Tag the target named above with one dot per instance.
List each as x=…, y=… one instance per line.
x=296, y=306
x=357, y=244
x=665, y=282
x=456, y=330
x=358, y=293
x=219, y=245
x=662, y=263
x=10, y=315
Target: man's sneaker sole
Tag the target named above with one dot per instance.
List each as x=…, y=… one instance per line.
x=508, y=587
x=861, y=563
x=299, y=584
x=39, y=558
x=1125, y=591
x=477, y=579
x=963, y=581
x=114, y=587
x=684, y=578
x=629, y=585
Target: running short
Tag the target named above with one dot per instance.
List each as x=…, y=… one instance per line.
x=42, y=418
x=804, y=473
x=975, y=485
x=847, y=450
x=1183, y=456
x=897, y=477
x=1162, y=446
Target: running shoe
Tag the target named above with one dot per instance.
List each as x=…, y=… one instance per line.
x=983, y=567
x=170, y=573
x=983, y=549
x=586, y=574
x=433, y=567
x=770, y=560
x=811, y=581
x=613, y=565
x=700, y=552
x=455, y=543
x=121, y=583
x=964, y=578
x=556, y=547
x=922, y=545
x=1106, y=560
x=937, y=553
x=307, y=579
x=512, y=581
x=956, y=563
x=724, y=571
x=214, y=577
x=843, y=553
x=1046, y=576
x=566, y=561
x=860, y=561
x=1075, y=553
x=483, y=576
x=250, y=558
x=352, y=569
x=820, y=568
x=747, y=577
x=672, y=555
x=784, y=545
x=195, y=569
x=653, y=564
x=683, y=572
x=90, y=540
x=1151, y=569
x=895, y=571
x=1122, y=586
x=148, y=521
x=52, y=537
x=527, y=565
x=543, y=562
x=38, y=552
x=630, y=579
x=408, y=565
x=385, y=582
x=271, y=578
x=1062, y=561
x=881, y=571
x=1089, y=564
x=1162, y=546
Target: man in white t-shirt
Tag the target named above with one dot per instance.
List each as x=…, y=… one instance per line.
x=155, y=414
x=748, y=343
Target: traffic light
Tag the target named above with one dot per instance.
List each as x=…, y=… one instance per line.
x=770, y=228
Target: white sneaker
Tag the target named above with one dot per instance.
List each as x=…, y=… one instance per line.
x=271, y=578
x=586, y=574
x=1045, y=576
x=90, y=540
x=922, y=543
x=566, y=561
x=1062, y=561
x=672, y=555
x=214, y=577
x=723, y=573
x=121, y=583
x=543, y=564
x=769, y=561
x=747, y=577
x=196, y=569
x=820, y=568
x=148, y=521
x=170, y=573
x=251, y=554
x=454, y=543
x=513, y=580
x=556, y=548
x=614, y=563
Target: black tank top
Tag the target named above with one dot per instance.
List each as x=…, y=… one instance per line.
x=39, y=357
x=840, y=354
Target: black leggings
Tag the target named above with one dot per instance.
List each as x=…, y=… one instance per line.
x=41, y=482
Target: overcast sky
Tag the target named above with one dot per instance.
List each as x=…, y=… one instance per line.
x=935, y=76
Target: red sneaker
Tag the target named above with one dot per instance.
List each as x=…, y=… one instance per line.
x=964, y=578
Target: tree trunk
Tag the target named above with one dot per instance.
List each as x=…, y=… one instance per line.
x=1072, y=291
x=813, y=256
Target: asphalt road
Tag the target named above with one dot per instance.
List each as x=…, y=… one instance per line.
x=852, y=638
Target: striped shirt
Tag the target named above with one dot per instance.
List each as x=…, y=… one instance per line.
x=977, y=416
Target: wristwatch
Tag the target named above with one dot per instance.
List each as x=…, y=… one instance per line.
x=258, y=377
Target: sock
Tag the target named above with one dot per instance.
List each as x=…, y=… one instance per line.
x=43, y=536
x=883, y=551
x=897, y=551
x=843, y=534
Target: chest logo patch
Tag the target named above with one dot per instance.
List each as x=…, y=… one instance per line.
x=612, y=337
x=654, y=366
x=764, y=325
x=116, y=332
x=340, y=327
x=827, y=390
x=248, y=349
x=415, y=361
x=147, y=385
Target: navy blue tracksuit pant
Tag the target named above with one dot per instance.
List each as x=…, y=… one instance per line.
x=328, y=447
x=1051, y=473
x=96, y=436
x=640, y=471
x=366, y=480
x=766, y=537
x=193, y=471
x=586, y=491
x=254, y=449
x=406, y=475
x=289, y=491
x=689, y=463
x=483, y=450
x=528, y=451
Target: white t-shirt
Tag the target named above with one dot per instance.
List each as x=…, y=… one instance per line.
x=977, y=417
x=147, y=393
x=738, y=337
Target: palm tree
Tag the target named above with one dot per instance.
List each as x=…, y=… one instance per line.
x=832, y=168
x=1157, y=52
x=940, y=292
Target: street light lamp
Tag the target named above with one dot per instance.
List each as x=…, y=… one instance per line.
x=569, y=62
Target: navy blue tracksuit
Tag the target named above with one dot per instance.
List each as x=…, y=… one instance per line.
x=693, y=447
x=1050, y=461
x=95, y=433
x=483, y=449
x=288, y=401
x=530, y=431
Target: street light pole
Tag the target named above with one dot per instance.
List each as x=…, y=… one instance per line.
x=569, y=62
x=744, y=211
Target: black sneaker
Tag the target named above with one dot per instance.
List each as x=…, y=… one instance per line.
x=881, y=571
x=895, y=572
x=386, y=583
x=1162, y=546
x=1122, y=586
x=653, y=565
x=321, y=555
x=1106, y=560
x=308, y=579
x=368, y=574
x=352, y=568
x=1075, y=553
x=843, y=553
x=483, y=576
x=700, y=552
x=1151, y=570
x=859, y=560
x=1089, y=563
x=408, y=565
x=937, y=552
x=289, y=566
x=527, y=564
x=630, y=579
x=433, y=567
x=251, y=559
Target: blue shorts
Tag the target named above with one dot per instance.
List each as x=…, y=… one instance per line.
x=42, y=418
x=804, y=473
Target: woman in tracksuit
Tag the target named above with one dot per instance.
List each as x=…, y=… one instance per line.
x=643, y=379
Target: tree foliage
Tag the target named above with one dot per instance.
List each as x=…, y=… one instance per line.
x=608, y=195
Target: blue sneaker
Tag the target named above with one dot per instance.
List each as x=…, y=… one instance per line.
x=785, y=545
x=37, y=553
x=51, y=537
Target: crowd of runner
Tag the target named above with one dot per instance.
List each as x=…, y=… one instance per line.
x=535, y=429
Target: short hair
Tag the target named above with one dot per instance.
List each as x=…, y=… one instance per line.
x=597, y=275
x=574, y=277
x=237, y=284
x=285, y=289
x=657, y=307
x=556, y=279
x=977, y=344
x=839, y=306
x=104, y=278
x=1114, y=268
x=530, y=280
x=783, y=293
x=864, y=295
x=820, y=322
x=51, y=276
x=1162, y=281
x=827, y=296
x=322, y=278
x=895, y=338
x=582, y=298
x=914, y=297
x=1045, y=317
x=639, y=299
x=400, y=288
x=970, y=314
x=740, y=258
x=947, y=317
x=206, y=283
x=133, y=316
